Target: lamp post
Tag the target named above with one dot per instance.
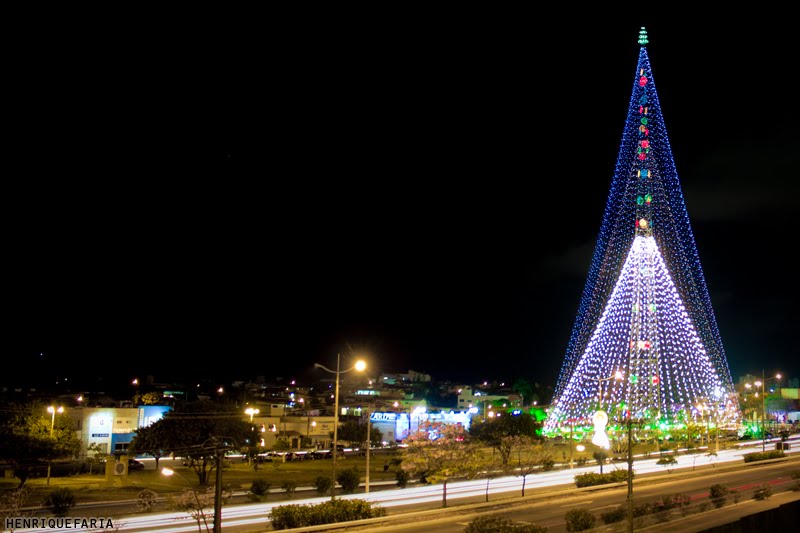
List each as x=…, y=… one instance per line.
x=763, y=384
x=52, y=410
x=617, y=375
x=360, y=366
x=366, y=482
x=250, y=411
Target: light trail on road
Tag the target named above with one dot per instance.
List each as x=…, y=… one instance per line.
x=256, y=514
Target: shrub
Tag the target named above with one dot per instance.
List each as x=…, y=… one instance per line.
x=591, y=479
x=289, y=487
x=762, y=492
x=349, y=480
x=763, y=456
x=581, y=461
x=643, y=509
x=614, y=515
x=289, y=516
x=496, y=524
x=667, y=503
x=146, y=499
x=682, y=502
x=548, y=464
x=600, y=456
x=60, y=501
x=718, y=494
x=259, y=489
x=402, y=478
x=735, y=495
x=292, y=516
x=579, y=520
x=703, y=507
x=323, y=485
x=667, y=461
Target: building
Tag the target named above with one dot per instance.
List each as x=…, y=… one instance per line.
x=112, y=429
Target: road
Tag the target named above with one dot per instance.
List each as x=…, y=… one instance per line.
x=549, y=510
x=253, y=517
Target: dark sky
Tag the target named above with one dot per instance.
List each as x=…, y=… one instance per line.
x=425, y=192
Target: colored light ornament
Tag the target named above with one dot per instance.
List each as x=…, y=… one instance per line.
x=645, y=144
x=643, y=37
x=600, y=439
x=643, y=81
x=686, y=350
x=643, y=223
x=640, y=200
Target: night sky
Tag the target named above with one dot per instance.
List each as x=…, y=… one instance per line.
x=425, y=193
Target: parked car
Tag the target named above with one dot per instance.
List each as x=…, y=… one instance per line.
x=133, y=464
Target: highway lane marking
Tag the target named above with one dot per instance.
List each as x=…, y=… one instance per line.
x=603, y=507
x=578, y=503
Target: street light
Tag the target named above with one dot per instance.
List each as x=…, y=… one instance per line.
x=52, y=410
x=250, y=411
x=359, y=366
x=200, y=507
x=617, y=375
x=762, y=384
x=369, y=443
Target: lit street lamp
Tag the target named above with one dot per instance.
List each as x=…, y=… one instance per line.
x=617, y=375
x=369, y=443
x=360, y=366
x=52, y=410
x=250, y=411
x=762, y=384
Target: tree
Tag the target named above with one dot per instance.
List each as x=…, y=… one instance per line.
x=349, y=480
x=194, y=431
x=148, y=398
x=150, y=439
x=600, y=456
x=493, y=431
x=195, y=505
x=527, y=455
x=13, y=504
x=94, y=455
x=26, y=441
x=492, y=468
x=524, y=388
x=440, y=453
x=356, y=433
x=60, y=501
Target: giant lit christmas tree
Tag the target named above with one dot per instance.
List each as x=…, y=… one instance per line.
x=645, y=344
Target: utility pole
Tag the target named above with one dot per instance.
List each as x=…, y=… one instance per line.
x=218, y=491
x=630, y=474
x=763, y=413
x=366, y=484
x=571, y=444
x=219, y=454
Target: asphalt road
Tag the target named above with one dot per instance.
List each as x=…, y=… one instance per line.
x=550, y=495
x=549, y=510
